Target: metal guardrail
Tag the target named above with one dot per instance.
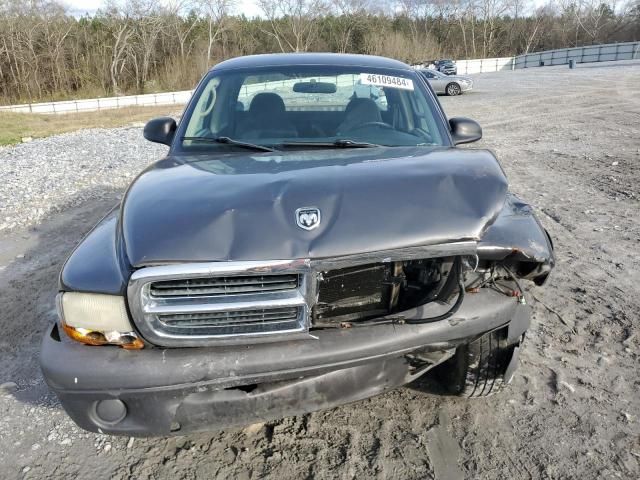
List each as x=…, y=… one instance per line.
x=592, y=53
x=95, y=104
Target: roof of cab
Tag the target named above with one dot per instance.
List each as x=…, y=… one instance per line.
x=287, y=59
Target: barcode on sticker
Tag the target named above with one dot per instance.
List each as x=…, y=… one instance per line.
x=386, y=81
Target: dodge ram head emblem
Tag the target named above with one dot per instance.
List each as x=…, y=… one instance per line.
x=308, y=218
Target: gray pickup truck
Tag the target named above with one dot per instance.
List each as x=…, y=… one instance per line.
x=300, y=246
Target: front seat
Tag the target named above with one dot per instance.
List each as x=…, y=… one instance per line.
x=266, y=118
x=358, y=112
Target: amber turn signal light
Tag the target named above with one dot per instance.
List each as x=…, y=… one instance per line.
x=127, y=341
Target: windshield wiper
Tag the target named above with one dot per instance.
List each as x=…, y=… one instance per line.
x=339, y=143
x=231, y=141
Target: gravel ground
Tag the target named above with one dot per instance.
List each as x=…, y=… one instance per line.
x=43, y=176
x=569, y=141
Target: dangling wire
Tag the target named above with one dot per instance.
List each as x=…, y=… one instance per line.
x=454, y=308
x=521, y=298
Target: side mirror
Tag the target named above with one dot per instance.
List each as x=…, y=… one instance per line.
x=464, y=130
x=160, y=130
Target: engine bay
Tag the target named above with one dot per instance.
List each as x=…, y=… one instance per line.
x=353, y=295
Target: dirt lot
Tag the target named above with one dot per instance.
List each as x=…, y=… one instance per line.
x=570, y=143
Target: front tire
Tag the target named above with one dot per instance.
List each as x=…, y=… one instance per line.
x=478, y=368
x=453, y=89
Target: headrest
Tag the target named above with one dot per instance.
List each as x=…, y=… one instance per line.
x=267, y=102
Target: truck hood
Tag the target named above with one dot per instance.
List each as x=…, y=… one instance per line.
x=243, y=206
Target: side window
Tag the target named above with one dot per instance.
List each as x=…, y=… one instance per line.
x=428, y=74
x=409, y=114
x=201, y=118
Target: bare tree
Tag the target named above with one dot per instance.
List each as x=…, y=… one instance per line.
x=148, y=23
x=490, y=12
x=350, y=14
x=181, y=16
x=216, y=13
x=466, y=19
x=293, y=22
x=594, y=15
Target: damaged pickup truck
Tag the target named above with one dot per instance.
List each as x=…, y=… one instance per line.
x=312, y=238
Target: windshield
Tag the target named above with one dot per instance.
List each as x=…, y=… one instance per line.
x=311, y=107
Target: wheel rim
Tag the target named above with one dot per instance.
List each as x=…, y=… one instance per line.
x=453, y=90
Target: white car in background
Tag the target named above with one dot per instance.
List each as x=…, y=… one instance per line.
x=448, y=84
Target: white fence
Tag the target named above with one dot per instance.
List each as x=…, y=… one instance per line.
x=94, y=104
x=484, y=65
x=481, y=65
x=592, y=53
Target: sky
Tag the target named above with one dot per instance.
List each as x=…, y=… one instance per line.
x=248, y=7
x=81, y=7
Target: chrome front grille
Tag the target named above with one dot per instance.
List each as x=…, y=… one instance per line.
x=202, y=304
x=225, y=285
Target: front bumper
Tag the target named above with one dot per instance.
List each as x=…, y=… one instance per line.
x=175, y=391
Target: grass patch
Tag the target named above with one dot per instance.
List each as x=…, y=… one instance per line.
x=15, y=126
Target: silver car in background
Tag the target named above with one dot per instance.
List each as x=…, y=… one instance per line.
x=448, y=84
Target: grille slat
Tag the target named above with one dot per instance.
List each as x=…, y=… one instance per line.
x=270, y=317
x=222, y=286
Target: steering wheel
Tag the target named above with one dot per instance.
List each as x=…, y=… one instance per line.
x=384, y=125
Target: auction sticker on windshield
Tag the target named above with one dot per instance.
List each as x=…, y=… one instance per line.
x=386, y=81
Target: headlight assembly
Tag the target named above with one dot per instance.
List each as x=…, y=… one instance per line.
x=97, y=319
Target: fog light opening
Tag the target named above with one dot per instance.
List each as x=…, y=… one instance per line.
x=109, y=412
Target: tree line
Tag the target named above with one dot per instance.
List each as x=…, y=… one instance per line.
x=141, y=46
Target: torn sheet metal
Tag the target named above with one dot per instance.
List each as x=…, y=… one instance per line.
x=517, y=236
x=517, y=232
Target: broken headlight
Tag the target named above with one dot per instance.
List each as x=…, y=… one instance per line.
x=97, y=319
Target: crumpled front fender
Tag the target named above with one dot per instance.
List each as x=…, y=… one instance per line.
x=517, y=238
